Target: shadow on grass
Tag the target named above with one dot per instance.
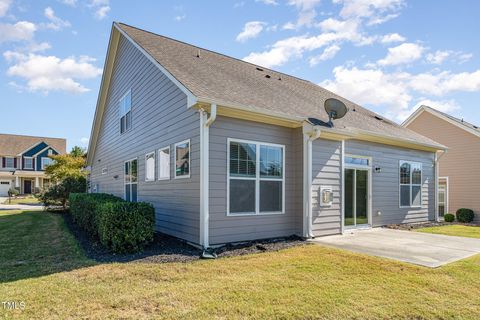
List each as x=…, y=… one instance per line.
x=36, y=243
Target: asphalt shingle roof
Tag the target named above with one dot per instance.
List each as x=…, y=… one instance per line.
x=218, y=77
x=12, y=145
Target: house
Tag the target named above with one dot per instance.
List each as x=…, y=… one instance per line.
x=23, y=162
x=228, y=151
x=459, y=169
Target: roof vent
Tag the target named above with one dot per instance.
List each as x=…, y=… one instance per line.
x=475, y=127
x=267, y=76
x=259, y=69
x=379, y=118
x=280, y=78
x=198, y=53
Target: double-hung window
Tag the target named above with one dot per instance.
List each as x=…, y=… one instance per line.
x=28, y=163
x=125, y=108
x=9, y=162
x=410, y=184
x=256, y=177
x=46, y=162
x=131, y=180
x=164, y=163
x=150, y=166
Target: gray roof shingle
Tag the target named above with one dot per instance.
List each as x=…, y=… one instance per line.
x=218, y=77
x=12, y=145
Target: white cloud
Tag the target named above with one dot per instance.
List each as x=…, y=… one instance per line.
x=4, y=6
x=404, y=53
x=84, y=141
x=21, y=30
x=251, y=30
x=375, y=11
x=392, y=37
x=180, y=17
x=268, y=2
x=49, y=73
x=38, y=47
x=396, y=90
x=327, y=54
x=101, y=12
x=71, y=3
x=438, y=56
x=306, y=15
x=55, y=22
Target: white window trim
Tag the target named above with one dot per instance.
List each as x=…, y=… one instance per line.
x=122, y=115
x=410, y=184
x=160, y=165
x=6, y=163
x=359, y=166
x=43, y=163
x=189, y=160
x=154, y=165
x=447, y=191
x=124, y=179
x=257, y=179
x=24, y=162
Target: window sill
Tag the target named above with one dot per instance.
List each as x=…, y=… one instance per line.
x=182, y=177
x=163, y=179
x=411, y=207
x=254, y=214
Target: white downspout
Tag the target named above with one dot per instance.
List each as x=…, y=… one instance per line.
x=437, y=158
x=205, y=123
x=342, y=201
x=308, y=137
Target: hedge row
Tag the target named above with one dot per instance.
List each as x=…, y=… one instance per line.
x=119, y=225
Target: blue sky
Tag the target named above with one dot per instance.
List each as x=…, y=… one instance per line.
x=388, y=55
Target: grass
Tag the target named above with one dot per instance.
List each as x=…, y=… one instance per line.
x=454, y=230
x=27, y=200
x=303, y=282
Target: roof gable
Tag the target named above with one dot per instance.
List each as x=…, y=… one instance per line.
x=460, y=123
x=15, y=145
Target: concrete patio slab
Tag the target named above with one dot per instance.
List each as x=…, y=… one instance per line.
x=429, y=250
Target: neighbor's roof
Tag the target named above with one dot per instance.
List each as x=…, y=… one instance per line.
x=13, y=145
x=449, y=118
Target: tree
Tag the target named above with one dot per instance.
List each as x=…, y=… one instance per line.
x=64, y=166
x=78, y=152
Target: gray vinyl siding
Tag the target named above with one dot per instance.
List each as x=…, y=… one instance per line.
x=385, y=184
x=225, y=228
x=160, y=118
x=326, y=171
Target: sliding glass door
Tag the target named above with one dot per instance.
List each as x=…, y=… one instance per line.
x=356, y=197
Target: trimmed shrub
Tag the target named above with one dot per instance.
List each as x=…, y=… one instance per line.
x=84, y=208
x=126, y=226
x=58, y=194
x=449, y=217
x=465, y=215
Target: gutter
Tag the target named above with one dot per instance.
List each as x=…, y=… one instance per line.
x=206, y=121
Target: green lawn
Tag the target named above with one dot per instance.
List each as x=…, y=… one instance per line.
x=55, y=280
x=454, y=230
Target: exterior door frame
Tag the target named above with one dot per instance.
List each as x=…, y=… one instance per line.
x=447, y=191
x=367, y=168
x=31, y=185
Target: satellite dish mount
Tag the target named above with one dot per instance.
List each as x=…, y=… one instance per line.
x=335, y=109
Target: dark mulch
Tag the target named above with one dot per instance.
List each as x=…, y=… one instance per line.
x=413, y=226
x=170, y=249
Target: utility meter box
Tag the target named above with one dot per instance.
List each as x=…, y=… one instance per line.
x=326, y=196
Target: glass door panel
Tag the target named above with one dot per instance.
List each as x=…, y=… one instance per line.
x=349, y=196
x=361, y=198
x=356, y=197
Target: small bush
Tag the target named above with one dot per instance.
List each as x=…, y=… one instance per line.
x=449, y=217
x=58, y=194
x=13, y=192
x=126, y=226
x=84, y=209
x=465, y=215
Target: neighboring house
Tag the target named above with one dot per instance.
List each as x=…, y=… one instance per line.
x=23, y=161
x=228, y=151
x=459, y=168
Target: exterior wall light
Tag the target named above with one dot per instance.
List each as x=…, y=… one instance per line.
x=378, y=169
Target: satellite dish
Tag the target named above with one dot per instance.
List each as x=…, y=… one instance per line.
x=335, y=109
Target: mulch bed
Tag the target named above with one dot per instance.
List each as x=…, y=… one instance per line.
x=170, y=249
x=414, y=226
